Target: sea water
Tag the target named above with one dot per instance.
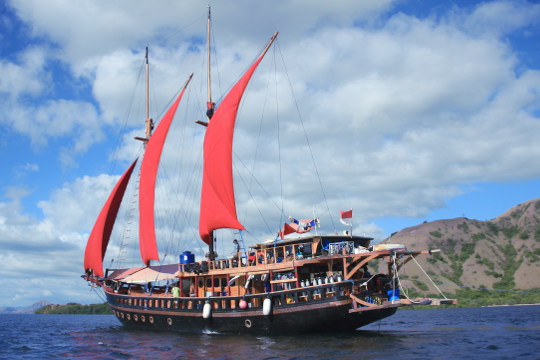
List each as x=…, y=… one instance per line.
x=511, y=332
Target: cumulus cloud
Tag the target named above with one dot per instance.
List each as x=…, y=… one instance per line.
x=24, y=76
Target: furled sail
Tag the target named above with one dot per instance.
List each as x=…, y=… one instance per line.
x=149, y=168
x=101, y=233
x=218, y=207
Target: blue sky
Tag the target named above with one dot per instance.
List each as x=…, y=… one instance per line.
x=415, y=110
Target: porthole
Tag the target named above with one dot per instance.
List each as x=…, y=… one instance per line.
x=169, y=321
x=151, y=319
x=135, y=317
x=128, y=316
x=247, y=323
x=143, y=318
x=122, y=315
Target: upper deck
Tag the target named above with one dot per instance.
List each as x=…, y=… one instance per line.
x=268, y=256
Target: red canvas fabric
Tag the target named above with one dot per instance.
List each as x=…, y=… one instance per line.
x=149, y=168
x=218, y=206
x=101, y=233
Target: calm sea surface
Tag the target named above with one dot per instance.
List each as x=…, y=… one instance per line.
x=479, y=333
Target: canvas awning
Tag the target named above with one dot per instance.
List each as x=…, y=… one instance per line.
x=147, y=275
x=122, y=273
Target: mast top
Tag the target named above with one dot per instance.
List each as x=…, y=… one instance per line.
x=149, y=122
x=210, y=105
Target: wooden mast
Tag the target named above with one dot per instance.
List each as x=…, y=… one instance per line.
x=149, y=122
x=210, y=105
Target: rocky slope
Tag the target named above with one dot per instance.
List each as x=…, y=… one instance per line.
x=503, y=253
x=26, y=310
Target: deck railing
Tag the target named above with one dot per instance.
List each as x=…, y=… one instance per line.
x=255, y=257
x=296, y=296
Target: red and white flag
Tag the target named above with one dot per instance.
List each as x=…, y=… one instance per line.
x=346, y=217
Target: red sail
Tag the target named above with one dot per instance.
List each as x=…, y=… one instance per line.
x=101, y=233
x=218, y=207
x=149, y=167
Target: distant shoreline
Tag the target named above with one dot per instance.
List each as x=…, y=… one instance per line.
x=75, y=309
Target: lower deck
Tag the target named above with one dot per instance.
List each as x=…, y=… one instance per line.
x=328, y=307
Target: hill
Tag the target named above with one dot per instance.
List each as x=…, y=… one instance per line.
x=501, y=254
x=24, y=310
x=74, y=308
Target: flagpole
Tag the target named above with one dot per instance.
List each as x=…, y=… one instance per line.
x=351, y=227
x=316, y=233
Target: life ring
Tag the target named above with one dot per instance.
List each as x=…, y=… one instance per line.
x=151, y=319
x=169, y=321
x=247, y=323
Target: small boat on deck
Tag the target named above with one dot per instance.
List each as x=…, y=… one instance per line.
x=287, y=285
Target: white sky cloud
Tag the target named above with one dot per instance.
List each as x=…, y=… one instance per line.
x=401, y=111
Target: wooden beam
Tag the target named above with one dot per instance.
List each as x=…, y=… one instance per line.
x=359, y=266
x=365, y=303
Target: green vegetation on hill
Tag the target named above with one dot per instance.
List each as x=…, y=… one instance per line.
x=485, y=297
x=73, y=308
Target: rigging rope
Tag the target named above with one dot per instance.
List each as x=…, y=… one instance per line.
x=307, y=140
x=439, y=290
x=396, y=275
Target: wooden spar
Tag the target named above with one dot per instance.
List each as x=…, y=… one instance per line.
x=210, y=104
x=414, y=254
x=350, y=273
x=270, y=42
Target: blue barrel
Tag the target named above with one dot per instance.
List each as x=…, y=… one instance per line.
x=393, y=294
x=187, y=258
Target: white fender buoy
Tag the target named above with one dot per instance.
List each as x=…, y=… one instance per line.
x=207, y=310
x=267, y=307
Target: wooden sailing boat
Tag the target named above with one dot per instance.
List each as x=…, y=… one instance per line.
x=293, y=285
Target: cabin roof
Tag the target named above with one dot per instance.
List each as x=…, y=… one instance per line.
x=312, y=239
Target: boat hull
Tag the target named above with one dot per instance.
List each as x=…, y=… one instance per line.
x=328, y=316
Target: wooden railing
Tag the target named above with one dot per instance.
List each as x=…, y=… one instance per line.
x=273, y=255
x=254, y=301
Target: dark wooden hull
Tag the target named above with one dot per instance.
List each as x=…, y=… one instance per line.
x=323, y=315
